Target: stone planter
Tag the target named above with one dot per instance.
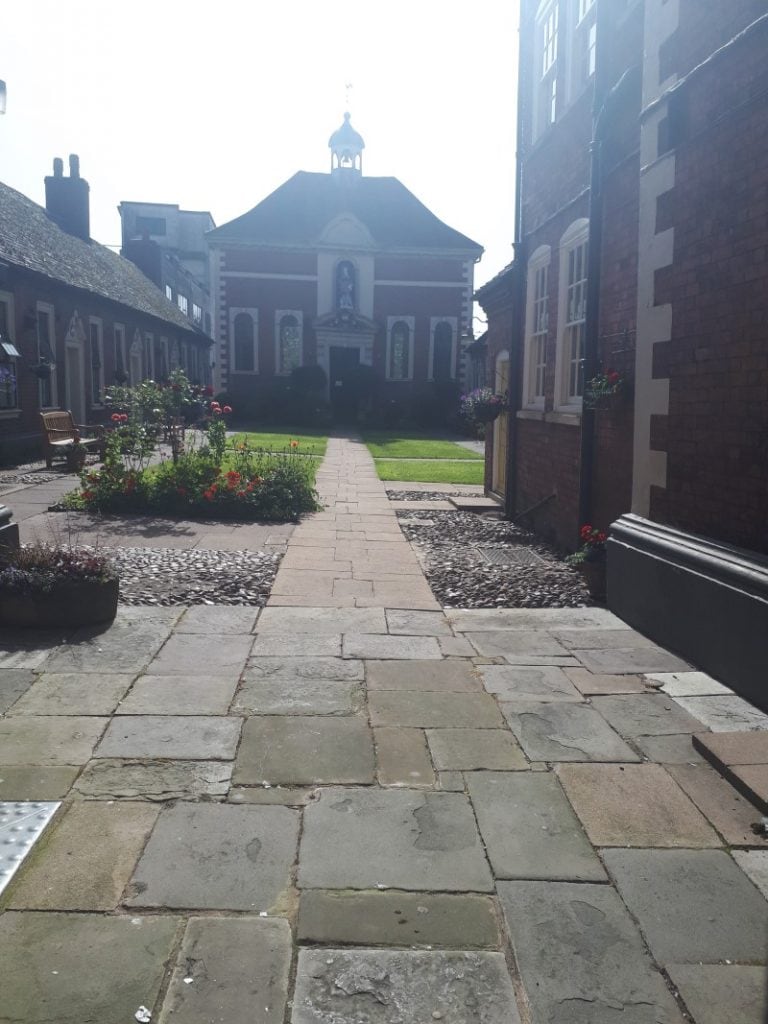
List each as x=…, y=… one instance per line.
x=594, y=576
x=70, y=603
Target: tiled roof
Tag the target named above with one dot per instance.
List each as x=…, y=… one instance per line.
x=30, y=239
x=504, y=273
x=297, y=212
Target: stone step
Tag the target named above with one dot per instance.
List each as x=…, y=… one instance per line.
x=481, y=505
x=742, y=759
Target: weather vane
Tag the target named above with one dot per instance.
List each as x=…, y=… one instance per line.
x=347, y=87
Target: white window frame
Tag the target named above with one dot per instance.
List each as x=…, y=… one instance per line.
x=279, y=314
x=254, y=314
x=197, y=313
x=169, y=293
x=585, y=6
x=48, y=309
x=183, y=302
x=411, y=322
x=10, y=361
x=98, y=323
x=576, y=236
x=582, y=48
x=434, y=322
x=119, y=345
x=539, y=263
x=547, y=44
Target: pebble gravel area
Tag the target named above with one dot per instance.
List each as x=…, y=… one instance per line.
x=168, y=576
x=454, y=548
x=424, y=495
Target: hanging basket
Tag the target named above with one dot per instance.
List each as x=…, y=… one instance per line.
x=41, y=370
x=487, y=413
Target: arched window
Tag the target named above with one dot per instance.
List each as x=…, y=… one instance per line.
x=346, y=290
x=400, y=351
x=243, y=343
x=442, y=352
x=289, y=343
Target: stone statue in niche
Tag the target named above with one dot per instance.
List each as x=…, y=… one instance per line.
x=345, y=286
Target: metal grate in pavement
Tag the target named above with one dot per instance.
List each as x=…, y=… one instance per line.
x=518, y=555
x=21, y=825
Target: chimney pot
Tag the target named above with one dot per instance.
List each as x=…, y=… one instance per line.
x=74, y=165
x=58, y=167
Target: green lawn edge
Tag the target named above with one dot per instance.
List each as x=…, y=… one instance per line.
x=424, y=471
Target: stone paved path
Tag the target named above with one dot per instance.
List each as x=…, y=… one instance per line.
x=354, y=808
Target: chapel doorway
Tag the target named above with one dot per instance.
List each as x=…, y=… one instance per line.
x=343, y=363
x=75, y=386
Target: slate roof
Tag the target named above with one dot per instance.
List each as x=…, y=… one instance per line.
x=29, y=239
x=297, y=212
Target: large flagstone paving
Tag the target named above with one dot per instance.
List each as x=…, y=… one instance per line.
x=373, y=775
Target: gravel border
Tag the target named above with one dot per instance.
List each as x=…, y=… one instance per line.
x=460, y=577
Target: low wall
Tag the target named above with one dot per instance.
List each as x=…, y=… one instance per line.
x=705, y=601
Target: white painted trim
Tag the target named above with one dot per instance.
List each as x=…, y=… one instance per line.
x=118, y=342
x=136, y=359
x=47, y=307
x=279, y=314
x=420, y=284
x=149, y=350
x=14, y=410
x=453, y=323
x=411, y=322
x=267, y=275
x=542, y=257
x=576, y=235
x=97, y=322
x=254, y=314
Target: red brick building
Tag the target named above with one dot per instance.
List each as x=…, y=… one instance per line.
x=340, y=270
x=75, y=317
x=642, y=248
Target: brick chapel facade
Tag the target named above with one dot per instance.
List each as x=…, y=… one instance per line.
x=340, y=270
x=641, y=249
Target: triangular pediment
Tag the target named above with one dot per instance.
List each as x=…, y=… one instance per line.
x=345, y=320
x=346, y=231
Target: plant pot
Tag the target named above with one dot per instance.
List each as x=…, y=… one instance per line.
x=42, y=370
x=76, y=459
x=594, y=577
x=70, y=603
x=487, y=413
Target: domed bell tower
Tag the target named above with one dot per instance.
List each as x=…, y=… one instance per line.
x=346, y=146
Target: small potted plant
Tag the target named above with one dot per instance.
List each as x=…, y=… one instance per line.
x=590, y=559
x=45, y=585
x=603, y=388
x=483, y=405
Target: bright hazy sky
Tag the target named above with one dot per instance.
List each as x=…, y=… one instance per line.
x=213, y=105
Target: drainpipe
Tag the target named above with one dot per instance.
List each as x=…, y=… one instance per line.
x=605, y=108
x=518, y=295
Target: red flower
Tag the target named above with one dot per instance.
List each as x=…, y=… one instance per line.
x=182, y=491
x=216, y=412
x=208, y=391
x=585, y=532
x=227, y=408
x=613, y=377
x=294, y=444
x=87, y=495
x=124, y=417
x=115, y=417
x=601, y=538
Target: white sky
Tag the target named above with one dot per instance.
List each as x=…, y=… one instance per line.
x=213, y=105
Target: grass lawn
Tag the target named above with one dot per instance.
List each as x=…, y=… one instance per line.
x=425, y=471
x=310, y=442
x=414, y=446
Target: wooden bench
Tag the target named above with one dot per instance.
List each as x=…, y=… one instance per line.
x=61, y=433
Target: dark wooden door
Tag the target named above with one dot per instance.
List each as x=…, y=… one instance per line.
x=343, y=364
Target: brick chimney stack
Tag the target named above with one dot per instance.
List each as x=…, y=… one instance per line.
x=67, y=200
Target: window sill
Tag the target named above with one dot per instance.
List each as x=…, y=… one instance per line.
x=244, y=373
x=530, y=414
x=566, y=418
x=9, y=414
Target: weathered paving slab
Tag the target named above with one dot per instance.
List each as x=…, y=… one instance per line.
x=473, y=749
x=565, y=732
x=499, y=642
x=65, y=693
x=633, y=659
x=35, y=782
x=322, y=620
x=30, y=651
x=396, y=838
x=754, y=864
x=239, y=971
x=397, y=919
x=581, y=957
x=671, y=748
x=752, y=780
x=727, y=748
x=645, y=714
x=722, y=993
x=455, y=676
x=529, y=828
x=729, y=812
x=688, y=684
x=426, y=709
x=115, y=779
x=14, y=682
x=127, y=646
x=179, y=737
x=692, y=905
x=285, y=695
x=545, y=684
x=180, y=695
x=417, y=623
x=217, y=857
x=374, y=645
x=590, y=684
x=290, y=668
x=402, y=757
x=634, y=805
x=725, y=714
x=476, y=619
x=304, y=750
x=402, y=987
x=286, y=796
x=55, y=967
x=218, y=620
x=301, y=645
x=86, y=859
x=187, y=653
x=603, y=639
x=48, y=739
